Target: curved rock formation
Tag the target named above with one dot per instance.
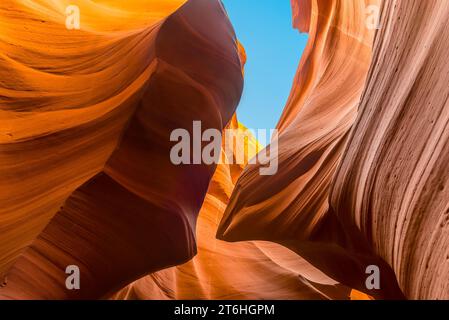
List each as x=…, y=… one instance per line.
x=393, y=181
x=292, y=206
x=313, y=129
x=246, y=270
x=86, y=177
x=388, y=202
x=58, y=127
x=90, y=114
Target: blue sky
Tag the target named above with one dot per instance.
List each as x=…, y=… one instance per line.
x=274, y=49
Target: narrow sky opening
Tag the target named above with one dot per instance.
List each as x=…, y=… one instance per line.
x=273, y=49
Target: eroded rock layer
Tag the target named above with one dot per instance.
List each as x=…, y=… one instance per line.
x=246, y=270
x=361, y=185
x=66, y=96
x=292, y=207
x=86, y=177
x=393, y=182
x=86, y=150
x=313, y=128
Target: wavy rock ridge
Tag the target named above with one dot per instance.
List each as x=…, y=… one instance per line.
x=393, y=182
x=86, y=179
x=271, y=271
x=292, y=207
x=96, y=185
x=361, y=183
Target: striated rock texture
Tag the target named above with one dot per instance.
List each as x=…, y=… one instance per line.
x=86, y=177
x=313, y=129
x=393, y=181
x=292, y=207
x=246, y=270
x=86, y=117
x=365, y=183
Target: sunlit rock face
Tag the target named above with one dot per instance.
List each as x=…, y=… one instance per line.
x=86, y=177
x=65, y=98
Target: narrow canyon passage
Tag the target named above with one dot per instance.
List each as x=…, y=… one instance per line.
x=91, y=92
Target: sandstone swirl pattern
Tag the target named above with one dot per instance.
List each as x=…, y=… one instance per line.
x=246, y=270
x=393, y=182
x=86, y=119
x=387, y=203
x=292, y=206
x=86, y=178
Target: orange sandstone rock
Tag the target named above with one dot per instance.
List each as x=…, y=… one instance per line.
x=292, y=207
x=86, y=176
